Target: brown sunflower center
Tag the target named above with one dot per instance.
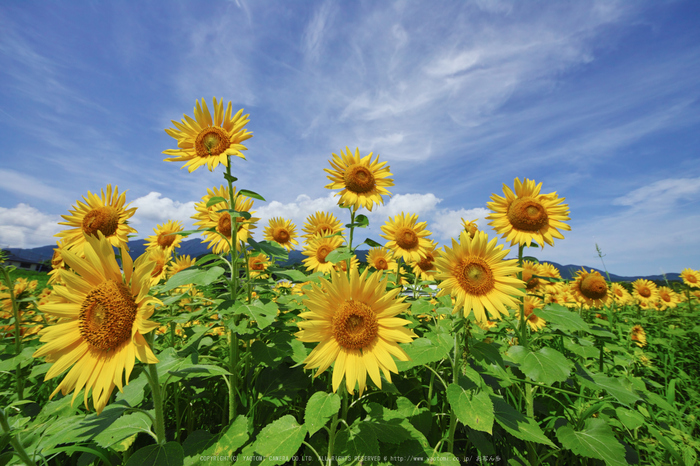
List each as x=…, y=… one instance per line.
x=381, y=264
x=359, y=179
x=593, y=286
x=691, y=278
x=530, y=281
x=211, y=141
x=527, y=214
x=355, y=325
x=528, y=308
x=342, y=265
x=475, y=277
x=322, y=252
x=323, y=228
x=107, y=316
x=257, y=264
x=166, y=240
x=281, y=235
x=406, y=238
x=158, y=269
x=665, y=296
x=104, y=219
x=427, y=263
x=644, y=291
x=223, y=226
x=619, y=293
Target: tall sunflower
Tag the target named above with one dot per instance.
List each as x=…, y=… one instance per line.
x=530, y=303
x=206, y=141
x=317, y=249
x=363, y=181
x=645, y=293
x=527, y=215
x=258, y=265
x=533, y=284
x=424, y=269
x=160, y=259
x=220, y=222
x=638, y=335
x=166, y=236
x=620, y=295
x=103, y=317
x=407, y=238
x=381, y=258
x=668, y=298
x=590, y=288
x=282, y=231
x=324, y=223
x=355, y=321
x=691, y=277
x=474, y=273
x=104, y=213
x=179, y=264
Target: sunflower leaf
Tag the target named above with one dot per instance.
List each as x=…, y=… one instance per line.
x=254, y=195
x=122, y=433
x=371, y=243
x=215, y=200
x=170, y=454
x=268, y=247
x=228, y=441
x=319, y=409
x=263, y=313
x=557, y=316
x=473, y=408
x=517, y=424
x=194, y=277
x=338, y=255
x=546, y=365
x=620, y=389
x=230, y=178
x=279, y=441
x=597, y=440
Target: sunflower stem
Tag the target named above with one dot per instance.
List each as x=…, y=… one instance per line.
x=529, y=390
x=456, y=360
x=352, y=231
x=152, y=376
x=19, y=385
x=14, y=440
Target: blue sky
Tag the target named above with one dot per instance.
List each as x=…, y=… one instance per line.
x=599, y=101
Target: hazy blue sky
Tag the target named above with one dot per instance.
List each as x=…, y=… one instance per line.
x=599, y=101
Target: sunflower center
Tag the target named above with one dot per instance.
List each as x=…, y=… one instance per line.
x=406, y=238
x=281, y=235
x=322, y=252
x=223, y=226
x=528, y=308
x=323, y=228
x=476, y=277
x=104, y=219
x=158, y=269
x=593, y=286
x=166, y=240
x=359, y=179
x=257, y=264
x=355, y=325
x=107, y=316
x=666, y=297
x=381, y=264
x=619, y=293
x=426, y=263
x=645, y=292
x=211, y=141
x=342, y=265
x=530, y=281
x=527, y=214
x=692, y=278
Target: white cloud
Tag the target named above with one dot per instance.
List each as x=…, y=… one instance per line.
x=447, y=223
x=298, y=211
x=421, y=204
x=153, y=209
x=315, y=31
x=24, y=226
x=661, y=193
x=27, y=185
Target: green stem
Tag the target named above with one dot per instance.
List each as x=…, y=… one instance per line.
x=233, y=288
x=14, y=440
x=456, y=368
x=152, y=376
x=524, y=341
x=352, y=232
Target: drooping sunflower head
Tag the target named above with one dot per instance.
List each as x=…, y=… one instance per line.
x=470, y=227
x=322, y=223
x=407, y=239
x=638, y=335
x=103, y=317
x=530, y=303
x=475, y=273
x=206, y=141
x=425, y=269
x=355, y=321
x=363, y=181
x=590, y=288
x=645, y=293
x=105, y=213
x=691, y=278
x=317, y=249
x=214, y=216
x=381, y=258
x=166, y=236
x=258, y=264
x=526, y=215
x=282, y=231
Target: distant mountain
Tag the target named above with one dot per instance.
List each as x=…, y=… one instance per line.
x=195, y=247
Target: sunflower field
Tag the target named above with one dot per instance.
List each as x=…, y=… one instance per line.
x=410, y=354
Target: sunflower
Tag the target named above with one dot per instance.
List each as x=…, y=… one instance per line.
x=258, y=265
x=179, y=264
x=527, y=215
x=559, y=295
x=220, y=222
x=424, y=269
x=166, y=236
x=530, y=303
x=620, y=295
x=668, y=298
x=342, y=266
x=56, y=263
x=406, y=238
x=470, y=227
x=363, y=182
x=323, y=223
x=104, y=316
x=474, y=272
x=160, y=257
x=691, y=278
x=638, y=335
x=381, y=258
x=283, y=232
x=645, y=293
x=532, y=283
x=317, y=249
x=590, y=288
x=106, y=214
x=355, y=321
x=207, y=141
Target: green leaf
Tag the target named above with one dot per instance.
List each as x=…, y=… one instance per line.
x=230, y=178
x=270, y=355
x=133, y=392
x=487, y=352
x=122, y=433
x=320, y=407
x=170, y=454
x=596, y=440
x=237, y=213
x=557, y=316
x=621, y=389
x=371, y=243
x=200, y=370
x=361, y=221
x=357, y=441
x=424, y=351
x=193, y=276
x=338, y=255
x=280, y=440
x=630, y=419
x=268, y=247
x=293, y=275
x=263, y=313
x=254, y=195
x=215, y=200
x=230, y=440
x=547, y=365
x=473, y=408
x=516, y=424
